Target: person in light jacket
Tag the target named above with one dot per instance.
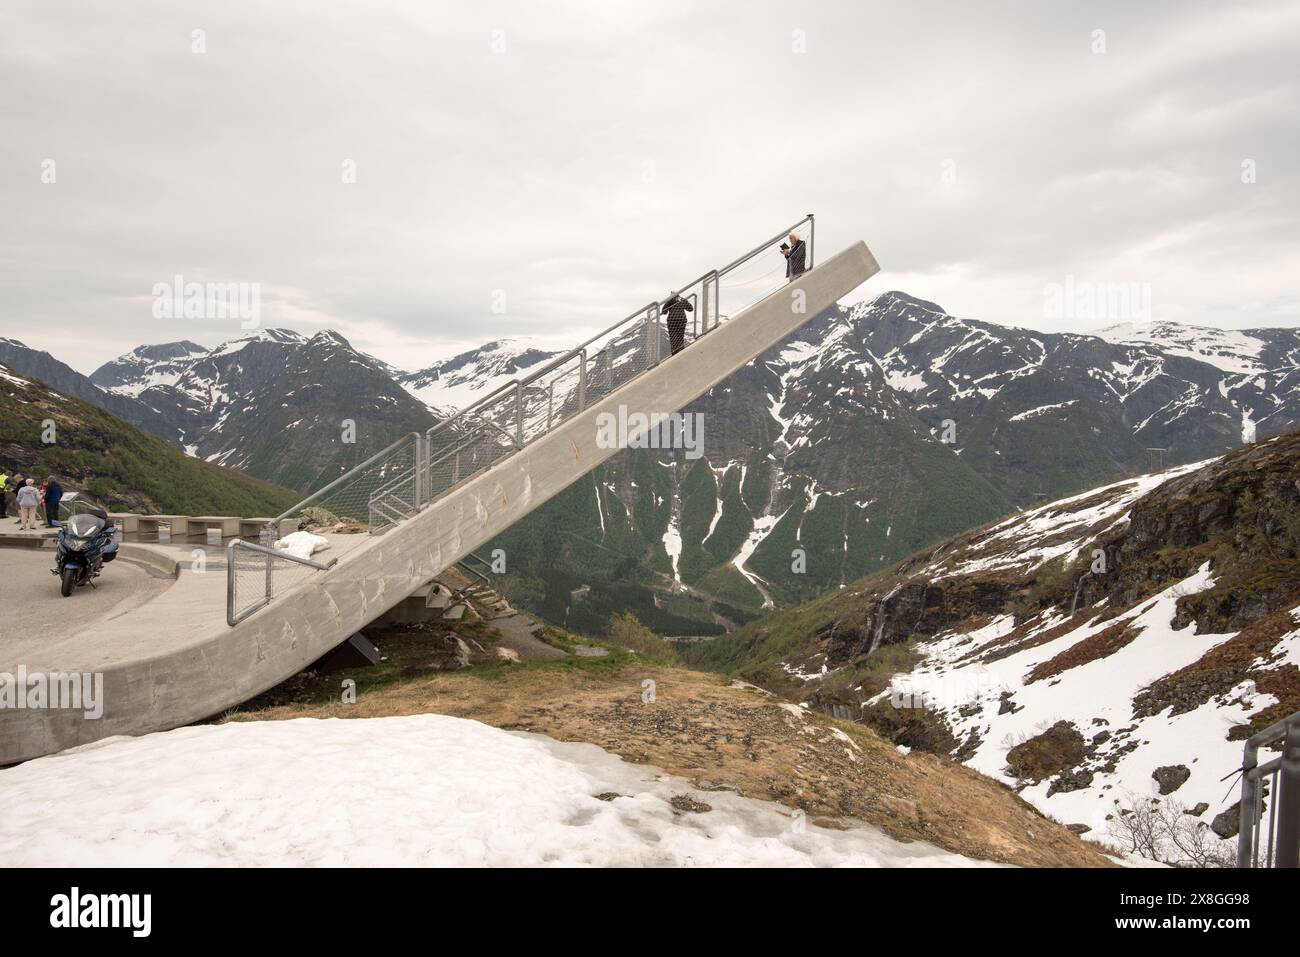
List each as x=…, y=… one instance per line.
x=797, y=258
x=29, y=499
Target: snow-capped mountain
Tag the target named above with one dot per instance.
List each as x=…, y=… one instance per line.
x=1045, y=414
x=122, y=466
x=455, y=383
x=872, y=431
x=812, y=473
x=274, y=403
x=146, y=367
x=1098, y=653
x=1250, y=352
x=882, y=427
x=43, y=366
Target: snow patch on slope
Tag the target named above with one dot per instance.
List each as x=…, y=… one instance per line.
x=453, y=792
x=1095, y=697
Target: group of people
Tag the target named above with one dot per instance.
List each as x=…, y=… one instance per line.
x=34, y=504
x=675, y=307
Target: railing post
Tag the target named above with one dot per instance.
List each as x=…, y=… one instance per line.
x=421, y=469
x=652, y=328
x=417, y=491
x=519, y=414
x=582, y=380
x=644, y=358
x=1246, y=814
x=230, y=584
x=717, y=299
x=1287, y=799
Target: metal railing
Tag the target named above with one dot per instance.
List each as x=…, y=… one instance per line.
x=251, y=578
x=477, y=569
x=392, y=472
x=1279, y=781
x=398, y=481
x=522, y=410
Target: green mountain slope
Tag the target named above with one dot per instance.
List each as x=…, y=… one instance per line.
x=125, y=467
x=813, y=473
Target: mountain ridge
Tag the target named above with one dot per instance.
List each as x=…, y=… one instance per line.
x=126, y=467
x=1114, y=646
x=875, y=429
x=299, y=410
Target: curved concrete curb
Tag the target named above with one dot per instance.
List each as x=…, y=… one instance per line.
x=131, y=551
x=143, y=555
x=8, y=540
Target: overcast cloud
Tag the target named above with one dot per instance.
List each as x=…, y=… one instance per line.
x=525, y=169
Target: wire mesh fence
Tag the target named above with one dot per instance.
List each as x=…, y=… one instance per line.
x=383, y=489
x=255, y=574
x=395, y=483
x=457, y=453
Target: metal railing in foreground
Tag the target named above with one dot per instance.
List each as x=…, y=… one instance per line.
x=396, y=482
x=251, y=579
x=1278, y=781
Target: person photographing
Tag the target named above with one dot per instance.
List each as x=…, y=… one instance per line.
x=676, y=308
x=796, y=257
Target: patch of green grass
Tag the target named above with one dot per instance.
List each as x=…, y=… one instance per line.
x=128, y=469
x=626, y=632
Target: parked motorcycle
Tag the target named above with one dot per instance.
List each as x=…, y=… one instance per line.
x=86, y=543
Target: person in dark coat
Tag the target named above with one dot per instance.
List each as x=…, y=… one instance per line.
x=17, y=481
x=676, y=307
x=785, y=251
x=53, y=495
x=797, y=258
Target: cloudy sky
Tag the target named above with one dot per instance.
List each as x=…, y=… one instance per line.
x=582, y=157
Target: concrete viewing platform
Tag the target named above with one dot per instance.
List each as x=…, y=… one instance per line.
x=172, y=660
x=183, y=605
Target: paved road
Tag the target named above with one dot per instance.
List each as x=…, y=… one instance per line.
x=33, y=613
x=517, y=635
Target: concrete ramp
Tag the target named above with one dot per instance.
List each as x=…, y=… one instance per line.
x=174, y=660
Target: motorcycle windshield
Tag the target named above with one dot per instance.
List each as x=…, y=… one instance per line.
x=85, y=526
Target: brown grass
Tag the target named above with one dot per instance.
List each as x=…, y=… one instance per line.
x=1057, y=749
x=1093, y=648
x=720, y=734
x=1025, y=641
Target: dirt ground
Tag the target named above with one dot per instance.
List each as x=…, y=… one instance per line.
x=718, y=733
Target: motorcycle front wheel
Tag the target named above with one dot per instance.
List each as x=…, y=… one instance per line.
x=67, y=581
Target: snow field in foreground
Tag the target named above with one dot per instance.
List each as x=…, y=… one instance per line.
x=401, y=791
